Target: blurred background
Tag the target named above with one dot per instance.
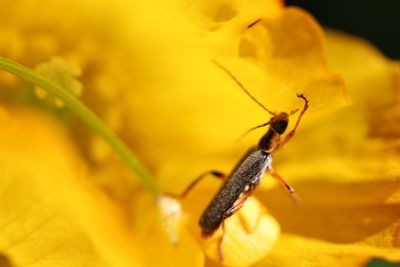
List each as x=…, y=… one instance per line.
x=376, y=21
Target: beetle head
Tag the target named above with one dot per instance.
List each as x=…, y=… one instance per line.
x=280, y=122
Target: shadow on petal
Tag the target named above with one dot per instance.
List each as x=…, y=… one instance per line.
x=5, y=261
x=335, y=212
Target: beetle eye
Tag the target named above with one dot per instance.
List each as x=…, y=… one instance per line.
x=280, y=126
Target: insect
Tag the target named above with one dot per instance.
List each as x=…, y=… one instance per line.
x=248, y=172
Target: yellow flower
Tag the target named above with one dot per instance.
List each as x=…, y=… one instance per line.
x=147, y=70
x=52, y=214
x=350, y=195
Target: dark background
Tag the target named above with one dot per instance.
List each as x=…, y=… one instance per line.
x=376, y=21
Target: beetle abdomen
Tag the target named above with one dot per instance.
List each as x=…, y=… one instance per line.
x=248, y=172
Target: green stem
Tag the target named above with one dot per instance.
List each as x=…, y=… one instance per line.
x=87, y=116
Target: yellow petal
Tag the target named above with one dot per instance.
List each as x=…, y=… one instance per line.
x=354, y=198
x=163, y=77
x=197, y=112
x=156, y=246
x=292, y=250
x=51, y=214
x=345, y=167
x=249, y=235
x=372, y=79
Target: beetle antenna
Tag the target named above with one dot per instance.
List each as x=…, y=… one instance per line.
x=293, y=112
x=252, y=129
x=254, y=23
x=241, y=86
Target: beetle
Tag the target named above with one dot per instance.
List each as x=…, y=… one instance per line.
x=248, y=172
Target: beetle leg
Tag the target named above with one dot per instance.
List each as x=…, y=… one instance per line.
x=289, y=136
x=238, y=203
x=248, y=229
x=221, y=239
x=285, y=185
x=236, y=206
x=214, y=173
